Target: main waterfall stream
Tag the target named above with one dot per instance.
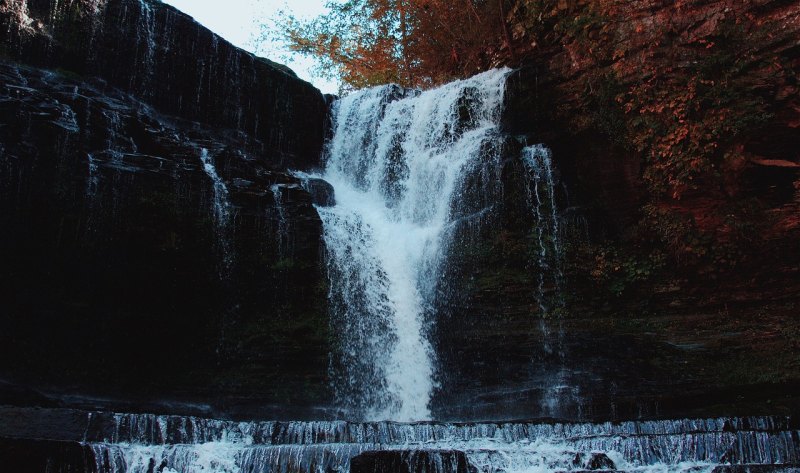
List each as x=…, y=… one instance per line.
x=398, y=162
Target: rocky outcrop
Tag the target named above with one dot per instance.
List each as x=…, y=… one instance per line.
x=164, y=58
x=596, y=461
x=155, y=249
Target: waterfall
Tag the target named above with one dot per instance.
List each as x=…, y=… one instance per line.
x=695, y=446
x=93, y=179
x=146, y=46
x=399, y=162
x=140, y=443
x=221, y=209
x=282, y=227
x=542, y=200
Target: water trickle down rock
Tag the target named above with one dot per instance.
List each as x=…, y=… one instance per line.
x=542, y=200
x=92, y=179
x=282, y=224
x=221, y=211
x=169, y=61
x=144, y=42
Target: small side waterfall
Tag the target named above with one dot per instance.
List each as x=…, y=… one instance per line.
x=147, y=20
x=145, y=43
x=400, y=163
x=282, y=223
x=542, y=200
x=93, y=179
x=221, y=208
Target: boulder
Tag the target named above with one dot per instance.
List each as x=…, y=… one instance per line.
x=599, y=461
x=321, y=191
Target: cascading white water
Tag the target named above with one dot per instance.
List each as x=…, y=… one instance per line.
x=398, y=162
x=221, y=204
x=141, y=443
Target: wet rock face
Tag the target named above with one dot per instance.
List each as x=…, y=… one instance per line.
x=632, y=353
x=411, y=461
x=757, y=469
x=599, y=461
x=166, y=59
x=120, y=273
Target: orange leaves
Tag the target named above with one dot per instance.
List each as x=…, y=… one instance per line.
x=683, y=113
x=705, y=43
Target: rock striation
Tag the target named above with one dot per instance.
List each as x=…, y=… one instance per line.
x=166, y=59
x=155, y=246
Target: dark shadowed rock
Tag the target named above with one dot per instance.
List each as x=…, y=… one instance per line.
x=168, y=60
x=115, y=257
x=411, y=461
x=468, y=101
x=321, y=192
x=593, y=461
x=599, y=461
x=46, y=456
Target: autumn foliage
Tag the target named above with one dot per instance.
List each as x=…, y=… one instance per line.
x=679, y=95
x=410, y=42
x=682, y=99
x=683, y=85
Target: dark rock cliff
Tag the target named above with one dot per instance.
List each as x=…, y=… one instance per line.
x=673, y=303
x=163, y=57
x=154, y=248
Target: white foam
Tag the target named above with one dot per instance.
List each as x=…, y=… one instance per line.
x=397, y=162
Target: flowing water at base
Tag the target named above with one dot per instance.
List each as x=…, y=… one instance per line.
x=143, y=443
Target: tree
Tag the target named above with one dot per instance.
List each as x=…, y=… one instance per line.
x=411, y=42
x=362, y=42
